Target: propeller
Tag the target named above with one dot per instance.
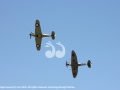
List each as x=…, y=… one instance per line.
x=66, y=64
x=30, y=35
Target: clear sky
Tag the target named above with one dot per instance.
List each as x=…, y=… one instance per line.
x=89, y=27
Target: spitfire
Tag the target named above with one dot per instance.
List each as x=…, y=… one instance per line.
x=74, y=64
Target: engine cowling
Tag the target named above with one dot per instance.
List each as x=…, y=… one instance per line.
x=89, y=64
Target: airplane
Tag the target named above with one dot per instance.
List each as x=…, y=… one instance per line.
x=74, y=64
x=38, y=35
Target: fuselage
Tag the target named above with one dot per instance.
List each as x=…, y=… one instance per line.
x=76, y=64
x=40, y=36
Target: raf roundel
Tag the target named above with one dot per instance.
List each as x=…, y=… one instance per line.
x=38, y=45
x=36, y=24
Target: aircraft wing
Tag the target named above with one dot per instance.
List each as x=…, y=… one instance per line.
x=73, y=58
x=38, y=43
x=38, y=33
x=74, y=70
x=38, y=28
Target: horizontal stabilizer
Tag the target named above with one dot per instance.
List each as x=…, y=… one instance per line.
x=53, y=35
x=89, y=63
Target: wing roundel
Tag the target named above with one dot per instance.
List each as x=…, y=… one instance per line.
x=73, y=57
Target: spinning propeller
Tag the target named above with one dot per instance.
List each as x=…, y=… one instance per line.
x=66, y=64
x=30, y=35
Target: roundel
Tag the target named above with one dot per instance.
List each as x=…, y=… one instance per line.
x=36, y=24
x=37, y=45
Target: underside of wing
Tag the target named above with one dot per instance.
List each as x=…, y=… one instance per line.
x=38, y=35
x=38, y=43
x=74, y=71
x=38, y=28
x=73, y=57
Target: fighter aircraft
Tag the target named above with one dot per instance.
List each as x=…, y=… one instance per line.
x=38, y=35
x=74, y=64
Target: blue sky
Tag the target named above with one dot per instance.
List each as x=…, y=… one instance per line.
x=91, y=28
